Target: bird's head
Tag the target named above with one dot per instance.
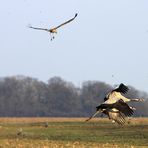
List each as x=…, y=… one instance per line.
x=141, y=100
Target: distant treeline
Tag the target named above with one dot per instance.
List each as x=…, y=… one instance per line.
x=22, y=96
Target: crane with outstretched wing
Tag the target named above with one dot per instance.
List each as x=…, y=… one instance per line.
x=53, y=30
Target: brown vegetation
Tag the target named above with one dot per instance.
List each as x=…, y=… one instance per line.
x=72, y=133
x=63, y=119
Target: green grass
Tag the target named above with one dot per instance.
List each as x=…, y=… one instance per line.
x=87, y=133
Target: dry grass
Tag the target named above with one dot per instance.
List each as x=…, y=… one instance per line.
x=59, y=119
x=44, y=119
x=72, y=133
x=17, y=143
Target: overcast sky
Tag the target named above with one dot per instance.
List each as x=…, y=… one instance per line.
x=108, y=41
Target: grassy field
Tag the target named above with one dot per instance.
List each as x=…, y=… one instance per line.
x=72, y=133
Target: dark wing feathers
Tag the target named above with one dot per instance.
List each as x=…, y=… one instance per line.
x=119, y=118
x=38, y=28
x=116, y=116
x=55, y=27
x=66, y=22
x=122, y=88
x=123, y=107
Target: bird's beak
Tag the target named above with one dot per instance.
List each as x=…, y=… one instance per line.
x=97, y=112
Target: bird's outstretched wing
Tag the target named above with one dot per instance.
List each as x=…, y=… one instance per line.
x=122, y=89
x=123, y=108
x=66, y=22
x=38, y=28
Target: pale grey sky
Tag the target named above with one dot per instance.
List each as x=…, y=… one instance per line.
x=109, y=37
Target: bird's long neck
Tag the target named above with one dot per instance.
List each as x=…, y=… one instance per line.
x=115, y=96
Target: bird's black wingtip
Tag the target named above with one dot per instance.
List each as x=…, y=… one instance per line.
x=76, y=14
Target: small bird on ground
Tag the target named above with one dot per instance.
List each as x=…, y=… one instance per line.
x=20, y=132
x=46, y=124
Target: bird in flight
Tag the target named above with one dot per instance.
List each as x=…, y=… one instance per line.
x=115, y=105
x=116, y=111
x=53, y=30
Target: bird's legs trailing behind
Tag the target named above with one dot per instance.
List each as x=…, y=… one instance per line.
x=133, y=108
x=52, y=36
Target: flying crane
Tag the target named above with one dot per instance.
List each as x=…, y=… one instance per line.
x=53, y=30
x=115, y=105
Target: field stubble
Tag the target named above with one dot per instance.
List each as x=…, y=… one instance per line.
x=72, y=133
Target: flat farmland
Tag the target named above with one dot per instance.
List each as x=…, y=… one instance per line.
x=72, y=133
